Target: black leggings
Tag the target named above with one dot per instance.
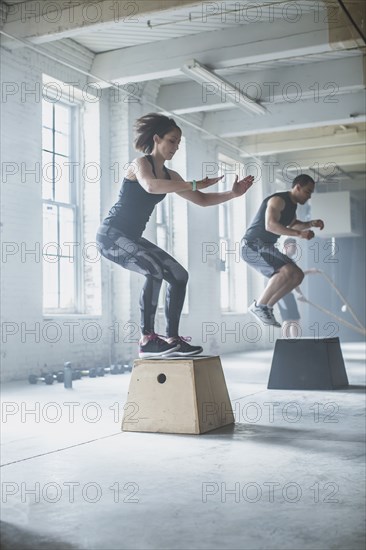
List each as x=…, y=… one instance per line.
x=155, y=264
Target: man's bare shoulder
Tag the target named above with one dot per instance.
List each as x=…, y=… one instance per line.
x=276, y=202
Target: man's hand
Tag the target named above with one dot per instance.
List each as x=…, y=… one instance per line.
x=317, y=223
x=307, y=234
x=242, y=186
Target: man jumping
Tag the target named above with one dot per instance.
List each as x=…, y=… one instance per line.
x=277, y=216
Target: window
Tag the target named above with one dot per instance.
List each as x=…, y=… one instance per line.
x=60, y=210
x=71, y=200
x=172, y=221
x=91, y=196
x=232, y=221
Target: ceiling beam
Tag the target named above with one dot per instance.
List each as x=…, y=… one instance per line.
x=245, y=44
x=282, y=85
x=280, y=146
x=325, y=160
x=345, y=109
x=40, y=22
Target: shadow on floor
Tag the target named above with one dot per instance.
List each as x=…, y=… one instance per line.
x=352, y=388
x=17, y=538
x=277, y=435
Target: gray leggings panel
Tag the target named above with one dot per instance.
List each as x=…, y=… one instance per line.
x=144, y=257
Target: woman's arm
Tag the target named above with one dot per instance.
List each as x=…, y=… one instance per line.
x=211, y=199
x=141, y=170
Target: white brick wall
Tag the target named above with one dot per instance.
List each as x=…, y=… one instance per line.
x=21, y=215
x=123, y=282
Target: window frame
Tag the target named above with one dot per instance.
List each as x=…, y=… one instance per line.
x=75, y=204
x=236, y=305
x=166, y=209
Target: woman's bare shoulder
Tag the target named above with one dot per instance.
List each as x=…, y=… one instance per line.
x=135, y=166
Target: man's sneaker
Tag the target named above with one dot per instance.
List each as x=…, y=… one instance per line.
x=264, y=314
x=186, y=349
x=157, y=347
x=276, y=323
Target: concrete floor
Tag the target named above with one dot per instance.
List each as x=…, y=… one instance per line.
x=291, y=479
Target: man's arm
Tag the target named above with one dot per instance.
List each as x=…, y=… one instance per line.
x=301, y=226
x=275, y=206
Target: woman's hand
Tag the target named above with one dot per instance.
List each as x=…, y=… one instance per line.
x=242, y=186
x=207, y=182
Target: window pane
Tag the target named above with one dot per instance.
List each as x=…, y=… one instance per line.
x=161, y=237
x=93, y=283
x=47, y=116
x=62, y=183
x=47, y=139
x=67, y=234
x=160, y=212
x=47, y=175
x=62, y=118
x=50, y=283
x=233, y=283
x=223, y=250
x=224, y=287
x=179, y=223
x=180, y=233
x=62, y=144
x=67, y=286
x=60, y=260
x=222, y=220
x=50, y=227
x=238, y=275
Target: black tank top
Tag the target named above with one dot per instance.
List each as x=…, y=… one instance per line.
x=134, y=207
x=257, y=229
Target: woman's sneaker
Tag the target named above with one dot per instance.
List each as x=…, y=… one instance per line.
x=264, y=314
x=157, y=347
x=185, y=349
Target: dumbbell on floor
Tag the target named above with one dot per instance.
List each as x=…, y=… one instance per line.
x=101, y=371
x=59, y=376
x=120, y=369
x=48, y=379
x=115, y=369
x=92, y=373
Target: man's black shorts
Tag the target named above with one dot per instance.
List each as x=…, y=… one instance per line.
x=265, y=258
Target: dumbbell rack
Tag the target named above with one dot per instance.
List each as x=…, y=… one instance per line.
x=49, y=378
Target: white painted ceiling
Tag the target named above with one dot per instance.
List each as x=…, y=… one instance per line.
x=339, y=128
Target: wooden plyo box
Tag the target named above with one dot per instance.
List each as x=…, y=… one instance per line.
x=182, y=395
x=307, y=364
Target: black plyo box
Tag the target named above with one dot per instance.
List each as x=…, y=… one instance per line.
x=307, y=364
